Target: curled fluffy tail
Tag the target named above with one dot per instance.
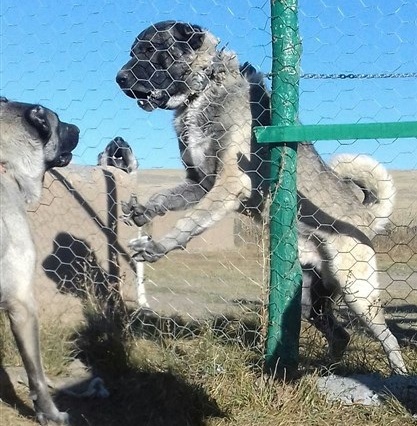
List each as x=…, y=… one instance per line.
x=373, y=179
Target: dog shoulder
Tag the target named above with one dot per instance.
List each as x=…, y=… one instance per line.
x=27, y=180
x=12, y=212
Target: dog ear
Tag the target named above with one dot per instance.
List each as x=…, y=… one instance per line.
x=38, y=118
x=192, y=34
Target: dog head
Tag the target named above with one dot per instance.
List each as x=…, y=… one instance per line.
x=41, y=129
x=170, y=62
x=118, y=153
x=33, y=140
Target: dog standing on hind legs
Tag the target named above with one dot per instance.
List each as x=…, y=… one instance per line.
x=176, y=66
x=33, y=140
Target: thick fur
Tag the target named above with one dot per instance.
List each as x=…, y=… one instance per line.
x=374, y=181
x=118, y=153
x=33, y=139
x=337, y=257
x=213, y=119
x=177, y=66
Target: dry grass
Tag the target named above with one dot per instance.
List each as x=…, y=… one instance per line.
x=211, y=376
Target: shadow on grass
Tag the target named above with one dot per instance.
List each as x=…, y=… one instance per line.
x=245, y=330
x=144, y=398
x=8, y=395
x=138, y=396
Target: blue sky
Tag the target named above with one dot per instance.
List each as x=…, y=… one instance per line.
x=66, y=54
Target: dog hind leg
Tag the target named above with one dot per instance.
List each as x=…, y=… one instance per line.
x=321, y=314
x=355, y=271
x=370, y=312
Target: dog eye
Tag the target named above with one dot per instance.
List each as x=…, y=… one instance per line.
x=174, y=51
x=148, y=48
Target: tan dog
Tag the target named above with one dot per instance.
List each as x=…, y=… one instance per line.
x=177, y=66
x=33, y=139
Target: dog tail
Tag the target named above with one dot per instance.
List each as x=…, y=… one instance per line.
x=251, y=74
x=375, y=182
x=259, y=95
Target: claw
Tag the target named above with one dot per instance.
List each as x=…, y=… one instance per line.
x=146, y=249
x=132, y=211
x=138, y=244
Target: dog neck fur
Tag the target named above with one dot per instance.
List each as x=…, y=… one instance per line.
x=211, y=64
x=206, y=52
x=24, y=171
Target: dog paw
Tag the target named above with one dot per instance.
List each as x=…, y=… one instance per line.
x=134, y=212
x=146, y=249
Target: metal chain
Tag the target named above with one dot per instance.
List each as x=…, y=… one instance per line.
x=342, y=76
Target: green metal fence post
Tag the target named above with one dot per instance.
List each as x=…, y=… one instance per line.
x=284, y=321
x=282, y=344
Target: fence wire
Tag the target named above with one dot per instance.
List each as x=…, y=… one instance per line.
x=358, y=65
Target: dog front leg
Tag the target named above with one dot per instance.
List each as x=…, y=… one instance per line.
x=25, y=328
x=181, y=197
x=225, y=197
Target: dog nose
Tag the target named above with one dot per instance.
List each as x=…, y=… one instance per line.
x=121, y=78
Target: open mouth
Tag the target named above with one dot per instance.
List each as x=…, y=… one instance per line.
x=148, y=101
x=143, y=98
x=61, y=161
x=146, y=104
x=136, y=94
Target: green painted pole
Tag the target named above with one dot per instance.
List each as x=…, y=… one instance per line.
x=284, y=316
x=314, y=132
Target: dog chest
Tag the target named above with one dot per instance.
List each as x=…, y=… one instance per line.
x=199, y=141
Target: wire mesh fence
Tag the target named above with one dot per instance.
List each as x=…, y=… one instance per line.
x=189, y=253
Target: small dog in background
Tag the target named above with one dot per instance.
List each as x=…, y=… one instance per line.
x=118, y=153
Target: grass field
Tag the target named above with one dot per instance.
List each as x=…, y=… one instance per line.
x=199, y=362
x=201, y=378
